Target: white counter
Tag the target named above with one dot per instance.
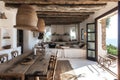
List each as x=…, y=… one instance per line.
x=67, y=52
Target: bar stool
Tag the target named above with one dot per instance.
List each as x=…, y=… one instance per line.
x=14, y=54
x=3, y=58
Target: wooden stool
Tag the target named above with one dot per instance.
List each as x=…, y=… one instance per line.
x=14, y=54
x=3, y=58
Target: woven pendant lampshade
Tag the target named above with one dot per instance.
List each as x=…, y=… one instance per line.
x=41, y=25
x=26, y=18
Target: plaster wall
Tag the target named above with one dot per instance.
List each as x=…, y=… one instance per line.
x=8, y=25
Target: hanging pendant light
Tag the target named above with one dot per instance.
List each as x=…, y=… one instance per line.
x=41, y=25
x=26, y=18
x=41, y=28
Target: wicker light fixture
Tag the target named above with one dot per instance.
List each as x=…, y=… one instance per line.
x=26, y=18
x=41, y=25
x=41, y=28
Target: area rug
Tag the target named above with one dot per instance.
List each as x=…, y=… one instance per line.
x=64, y=71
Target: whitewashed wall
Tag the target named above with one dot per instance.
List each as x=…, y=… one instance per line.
x=29, y=40
x=91, y=19
x=61, y=29
x=8, y=24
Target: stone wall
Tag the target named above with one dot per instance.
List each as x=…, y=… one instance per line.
x=103, y=25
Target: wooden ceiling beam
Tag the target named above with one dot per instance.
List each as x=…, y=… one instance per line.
x=61, y=16
x=64, y=18
x=58, y=13
x=15, y=4
x=70, y=2
x=52, y=5
x=80, y=8
x=61, y=20
x=65, y=8
x=61, y=23
x=62, y=11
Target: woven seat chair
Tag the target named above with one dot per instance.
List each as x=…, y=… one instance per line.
x=14, y=54
x=3, y=58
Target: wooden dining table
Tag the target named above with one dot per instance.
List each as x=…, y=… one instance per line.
x=17, y=69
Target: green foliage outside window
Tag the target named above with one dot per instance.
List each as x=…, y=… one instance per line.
x=111, y=49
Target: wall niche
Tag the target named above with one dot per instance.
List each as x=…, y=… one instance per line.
x=5, y=38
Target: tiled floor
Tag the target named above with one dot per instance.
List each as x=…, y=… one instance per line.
x=89, y=70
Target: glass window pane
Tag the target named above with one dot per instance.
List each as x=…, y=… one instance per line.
x=47, y=35
x=91, y=54
x=91, y=45
x=91, y=28
x=91, y=36
x=73, y=33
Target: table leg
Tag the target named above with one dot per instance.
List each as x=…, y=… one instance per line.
x=37, y=78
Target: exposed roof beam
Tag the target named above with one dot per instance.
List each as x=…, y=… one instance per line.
x=75, y=4
x=49, y=23
x=62, y=11
x=65, y=18
x=80, y=8
x=57, y=16
x=56, y=20
x=65, y=8
x=58, y=13
x=40, y=4
x=70, y=2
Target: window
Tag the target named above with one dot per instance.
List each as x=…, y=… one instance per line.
x=73, y=33
x=47, y=35
x=112, y=34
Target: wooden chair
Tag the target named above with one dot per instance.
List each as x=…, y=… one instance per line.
x=107, y=60
x=3, y=58
x=14, y=54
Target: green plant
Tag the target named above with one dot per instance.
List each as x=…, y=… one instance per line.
x=111, y=49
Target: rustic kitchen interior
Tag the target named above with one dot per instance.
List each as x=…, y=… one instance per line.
x=58, y=40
